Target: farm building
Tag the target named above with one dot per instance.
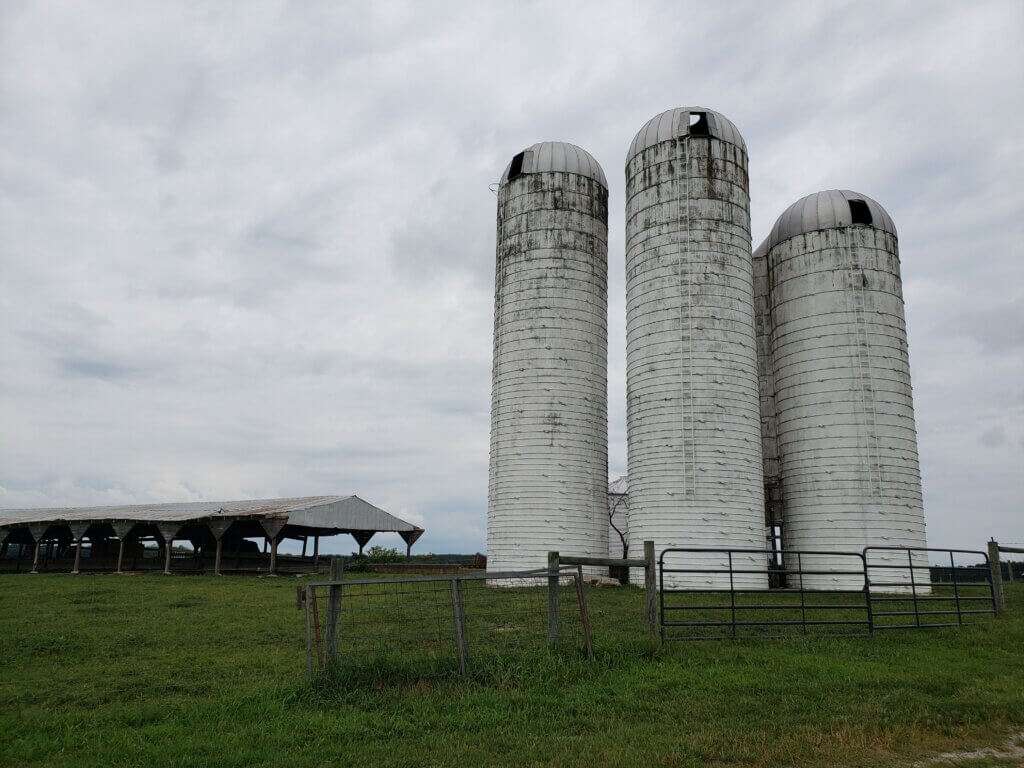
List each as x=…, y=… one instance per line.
x=220, y=534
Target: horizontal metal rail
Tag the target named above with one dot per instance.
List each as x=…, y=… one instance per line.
x=739, y=615
x=891, y=591
x=612, y=562
x=463, y=575
x=926, y=606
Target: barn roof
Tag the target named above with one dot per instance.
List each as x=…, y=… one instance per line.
x=341, y=513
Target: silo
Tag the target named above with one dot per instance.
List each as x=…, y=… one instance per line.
x=773, y=505
x=548, y=480
x=845, y=411
x=693, y=415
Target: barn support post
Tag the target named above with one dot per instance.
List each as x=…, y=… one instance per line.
x=121, y=529
x=410, y=537
x=553, y=566
x=168, y=531
x=218, y=528
x=997, y=576
x=37, y=532
x=273, y=527
x=77, y=534
x=305, y=539
x=362, y=539
x=316, y=549
x=75, y=569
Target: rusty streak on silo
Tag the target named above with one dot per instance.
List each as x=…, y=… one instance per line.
x=693, y=416
x=548, y=477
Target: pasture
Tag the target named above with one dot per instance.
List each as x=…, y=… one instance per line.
x=201, y=671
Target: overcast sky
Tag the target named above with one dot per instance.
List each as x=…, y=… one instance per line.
x=247, y=250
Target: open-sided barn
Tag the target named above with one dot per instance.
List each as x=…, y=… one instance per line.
x=115, y=536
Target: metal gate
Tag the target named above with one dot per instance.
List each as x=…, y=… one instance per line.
x=715, y=593
x=907, y=589
x=719, y=593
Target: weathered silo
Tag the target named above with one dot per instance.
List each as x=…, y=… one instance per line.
x=693, y=418
x=769, y=417
x=548, y=479
x=845, y=411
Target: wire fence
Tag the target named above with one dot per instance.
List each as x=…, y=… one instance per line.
x=442, y=624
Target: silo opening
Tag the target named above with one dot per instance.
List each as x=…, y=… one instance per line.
x=860, y=212
x=699, y=124
x=516, y=169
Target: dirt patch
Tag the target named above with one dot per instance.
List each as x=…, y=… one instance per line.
x=1013, y=749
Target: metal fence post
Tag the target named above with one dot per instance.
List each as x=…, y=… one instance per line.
x=458, y=618
x=650, y=592
x=553, y=598
x=306, y=604
x=997, y=576
x=334, y=608
x=581, y=598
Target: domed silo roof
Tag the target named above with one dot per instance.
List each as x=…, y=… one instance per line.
x=674, y=123
x=560, y=156
x=829, y=209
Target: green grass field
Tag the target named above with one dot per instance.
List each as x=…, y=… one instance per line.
x=198, y=671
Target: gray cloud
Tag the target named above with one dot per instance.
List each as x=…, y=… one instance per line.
x=248, y=251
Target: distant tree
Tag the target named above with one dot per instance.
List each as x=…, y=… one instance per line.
x=616, y=503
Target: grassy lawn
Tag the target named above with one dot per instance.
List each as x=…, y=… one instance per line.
x=199, y=671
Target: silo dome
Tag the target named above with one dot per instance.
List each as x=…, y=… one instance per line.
x=685, y=121
x=557, y=156
x=844, y=410
x=693, y=412
x=548, y=474
x=830, y=209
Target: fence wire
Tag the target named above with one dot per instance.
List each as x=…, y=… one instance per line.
x=440, y=624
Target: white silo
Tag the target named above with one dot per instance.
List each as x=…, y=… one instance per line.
x=845, y=410
x=693, y=416
x=548, y=480
x=773, y=505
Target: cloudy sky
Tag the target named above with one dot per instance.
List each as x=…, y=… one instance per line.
x=246, y=249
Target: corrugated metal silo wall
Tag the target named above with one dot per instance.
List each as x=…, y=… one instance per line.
x=766, y=387
x=549, y=409
x=850, y=469
x=693, y=416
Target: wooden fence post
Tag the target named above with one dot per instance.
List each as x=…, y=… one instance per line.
x=581, y=599
x=458, y=620
x=334, y=608
x=552, y=598
x=997, y=576
x=650, y=591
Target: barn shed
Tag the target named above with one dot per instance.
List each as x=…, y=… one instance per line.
x=220, y=534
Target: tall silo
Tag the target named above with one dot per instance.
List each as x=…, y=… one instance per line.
x=773, y=505
x=693, y=415
x=845, y=410
x=548, y=481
